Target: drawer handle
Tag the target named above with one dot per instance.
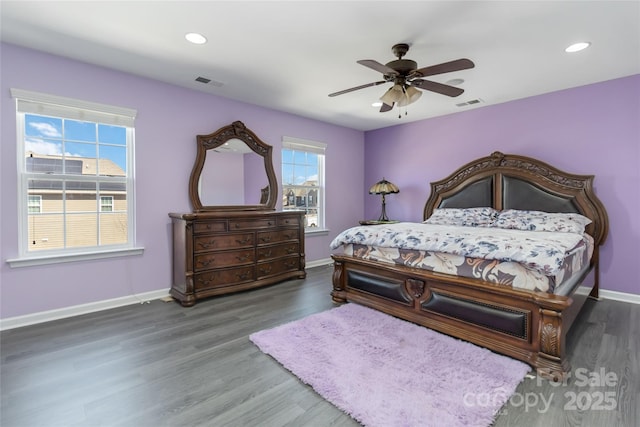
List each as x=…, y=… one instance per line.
x=289, y=236
x=291, y=249
x=265, y=239
x=291, y=264
x=205, y=282
x=243, y=242
x=207, y=245
x=207, y=262
x=267, y=253
x=242, y=257
x=265, y=270
x=242, y=276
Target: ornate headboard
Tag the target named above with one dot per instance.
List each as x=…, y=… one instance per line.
x=508, y=181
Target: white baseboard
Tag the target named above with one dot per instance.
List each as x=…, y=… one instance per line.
x=319, y=263
x=619, y=296
x=77, y=310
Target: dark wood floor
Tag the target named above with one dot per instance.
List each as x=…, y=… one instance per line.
x=160, y=364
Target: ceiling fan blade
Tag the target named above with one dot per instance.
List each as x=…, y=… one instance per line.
x=375, y=65
x=445, y=67
x=386, y=107
x=357, y=88
x=437, y=87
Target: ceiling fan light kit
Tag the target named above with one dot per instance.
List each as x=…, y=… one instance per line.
x=401, y=95
x=393, y=95
x=407, y=78
x=411, y=95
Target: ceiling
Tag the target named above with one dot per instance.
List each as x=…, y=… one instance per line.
x=289, y=55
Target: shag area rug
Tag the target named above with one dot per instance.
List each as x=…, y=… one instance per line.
x=386, y=372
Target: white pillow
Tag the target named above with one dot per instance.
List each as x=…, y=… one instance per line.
x=466, y=217
x=542, y=221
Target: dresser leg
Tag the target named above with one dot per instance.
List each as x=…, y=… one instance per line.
x=184, y=300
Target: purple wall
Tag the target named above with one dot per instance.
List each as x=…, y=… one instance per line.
x=169, y=118
x=592, y=129
x=587, y=130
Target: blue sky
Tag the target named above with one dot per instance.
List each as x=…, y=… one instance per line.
x=299, y=167
x=55, y=136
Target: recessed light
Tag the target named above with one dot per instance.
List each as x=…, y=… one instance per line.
x=196, y=38
x=455, y=82
x=577, y=47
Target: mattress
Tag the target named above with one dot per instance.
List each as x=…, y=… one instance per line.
x=501, y=271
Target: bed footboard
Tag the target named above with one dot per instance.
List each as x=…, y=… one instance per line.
x=528, y=326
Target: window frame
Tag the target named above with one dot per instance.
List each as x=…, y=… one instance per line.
x=319, y=148
x=28, y=102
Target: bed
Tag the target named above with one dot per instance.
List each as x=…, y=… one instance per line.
x=512, y=305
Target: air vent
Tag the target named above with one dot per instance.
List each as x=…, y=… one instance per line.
x=471, y=102
x=209, y=81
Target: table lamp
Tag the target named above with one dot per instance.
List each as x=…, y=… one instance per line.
x=383, y=187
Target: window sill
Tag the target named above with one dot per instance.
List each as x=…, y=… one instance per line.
x=81, y=256
x=316, y=231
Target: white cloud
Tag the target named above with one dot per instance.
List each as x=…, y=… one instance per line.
x=42, y=147
x=45, y=129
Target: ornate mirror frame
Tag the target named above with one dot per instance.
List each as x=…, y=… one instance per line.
x=236, y=130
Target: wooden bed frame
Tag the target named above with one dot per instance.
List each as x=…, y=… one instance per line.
x=526, y=325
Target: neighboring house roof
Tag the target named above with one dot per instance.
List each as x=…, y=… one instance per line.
x=79, y=165
x=299, y=191
x=49, y=164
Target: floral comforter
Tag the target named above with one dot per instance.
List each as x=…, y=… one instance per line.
x=523, y=259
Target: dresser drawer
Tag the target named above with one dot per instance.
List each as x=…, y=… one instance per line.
x=252, y=223
x=289, y=221
x=225, y=241
x=223, y=259
x=279, y=266
x=277, y=251
x=209, y=226
x=267, y=237
x=226, y=277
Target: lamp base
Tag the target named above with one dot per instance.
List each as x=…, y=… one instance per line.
x=377, y=222
x=383, y=215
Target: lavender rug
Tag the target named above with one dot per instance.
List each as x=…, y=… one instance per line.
x=386, y=372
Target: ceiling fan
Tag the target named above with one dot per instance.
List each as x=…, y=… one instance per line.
x=406, y=77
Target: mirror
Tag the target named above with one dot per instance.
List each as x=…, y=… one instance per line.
x=233, y=171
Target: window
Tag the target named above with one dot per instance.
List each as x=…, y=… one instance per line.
x=35, y=204
x=106, y=203
x=303, y=179
x=75, y=167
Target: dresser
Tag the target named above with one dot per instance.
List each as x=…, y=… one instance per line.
x=216, y=253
